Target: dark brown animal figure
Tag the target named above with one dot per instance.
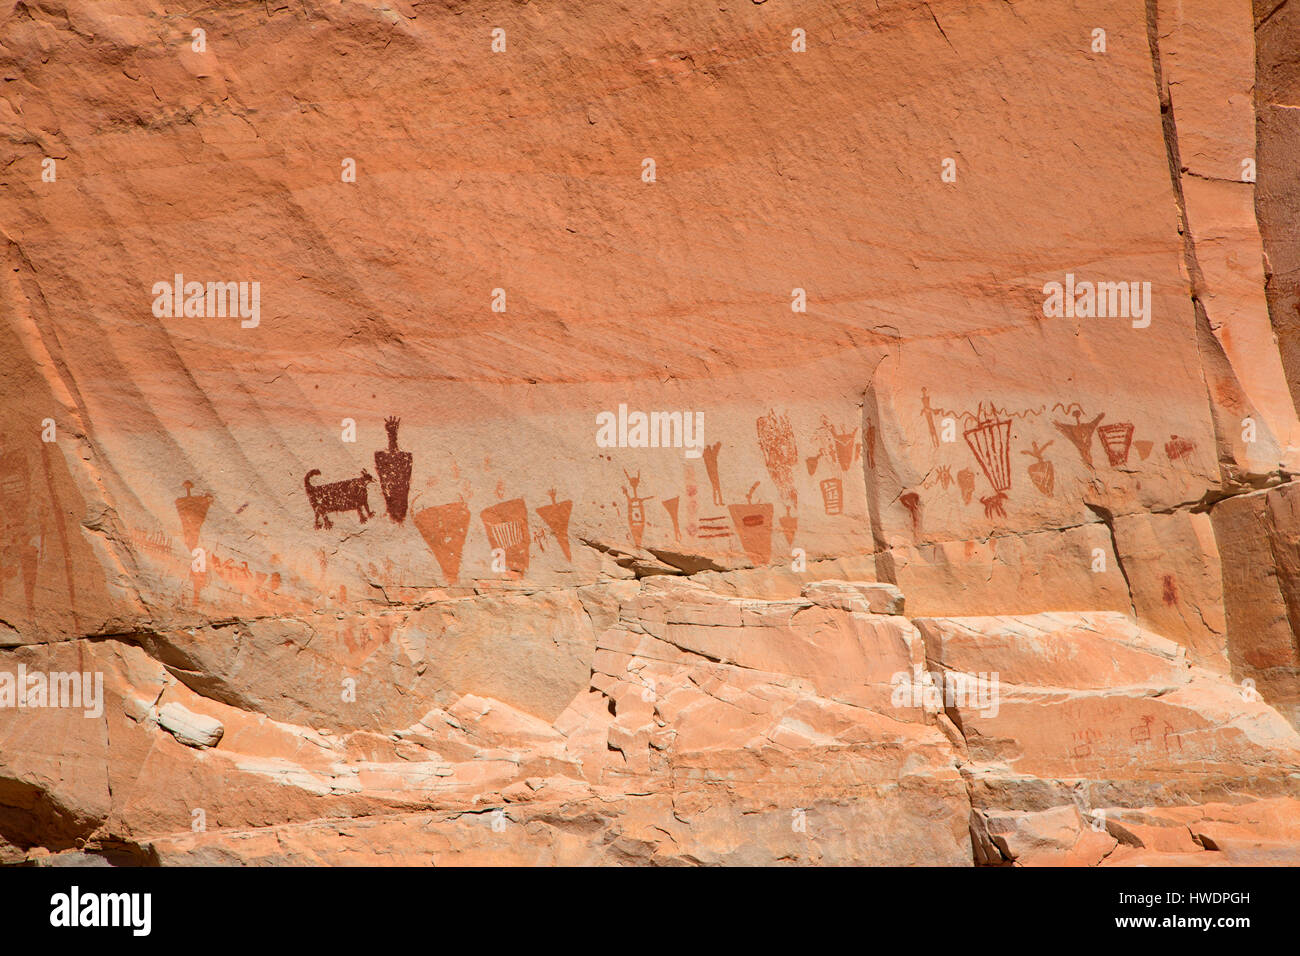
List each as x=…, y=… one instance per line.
x=349, y=495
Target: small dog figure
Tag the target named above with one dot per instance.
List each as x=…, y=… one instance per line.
x=349, y=495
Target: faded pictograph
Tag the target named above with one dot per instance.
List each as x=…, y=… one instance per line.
x=192, y=510
x=1083, y=742
x=966, y=485
x=1178, y=449
x=868, y=447
x=840, y=446
x=156, y=542
x=1142, y=732
x=930, y=413
x=780, y=452
x=1041, y=471
x=239, y=576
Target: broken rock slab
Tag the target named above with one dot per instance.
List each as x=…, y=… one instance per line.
x=191, y=729
x=864, y=597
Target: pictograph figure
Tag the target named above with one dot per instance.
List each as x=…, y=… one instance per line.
x=716, y=526
x=929, y=415
x=444, y=529
x=711, y=466
x=635, y=508
x=506, y=524
x=1116, y=438
x=840, y=447
x=556, y=515
x=843, y=447
x=193, y=509
x=1169, y=733
x=1041, y=472
x=394, y=468
x=753, y=524
x=912, y=502
x=1084, y=739
x=1079, y=432
x=777, y=444
x=348, y=495
x=789, y=525
x=156, y=542
x=15, y=485
x=671, y=507
x=832, y=495
x=993, y=506
x=1142, y=733
x=966, y=484
x=1177, y=448
x=990, y=440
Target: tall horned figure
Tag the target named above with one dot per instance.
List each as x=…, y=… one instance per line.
x=394, y=468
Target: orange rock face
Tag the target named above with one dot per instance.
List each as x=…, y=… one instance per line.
x=830, y=433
